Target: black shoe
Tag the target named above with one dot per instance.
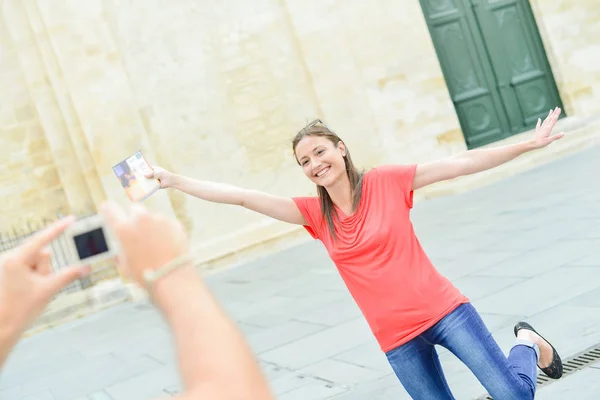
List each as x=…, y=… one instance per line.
x=555, y=369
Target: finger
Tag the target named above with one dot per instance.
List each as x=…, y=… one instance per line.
x=44, y=265
x=153, y=173
x=538, y=123
x=66, y=276
x=551, y=120
x=548, y=117
x=38, y=241
x=118, y=261
x=558, y=136
x=121, y=264
x=114, y=215
x=138, y=211
x=45, y=253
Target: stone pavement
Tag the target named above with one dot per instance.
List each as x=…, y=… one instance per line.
x=526, y=247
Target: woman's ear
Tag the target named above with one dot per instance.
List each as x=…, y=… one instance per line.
x=342, y=148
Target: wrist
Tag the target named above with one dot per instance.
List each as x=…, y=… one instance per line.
x=10, y=332
x=528, y=145
x=173, y=181
x=11, y=326
x=165, y=290
x=151, y=276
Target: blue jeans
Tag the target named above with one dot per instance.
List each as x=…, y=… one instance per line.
x=464, y=333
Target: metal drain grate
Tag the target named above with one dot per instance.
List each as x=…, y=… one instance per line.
x=570, y=365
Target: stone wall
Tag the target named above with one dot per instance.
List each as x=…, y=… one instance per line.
x=216, y=91
x=29, y=179
x=570, y=31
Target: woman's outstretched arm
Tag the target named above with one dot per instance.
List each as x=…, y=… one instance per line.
x=477, y=160
x=278, y=207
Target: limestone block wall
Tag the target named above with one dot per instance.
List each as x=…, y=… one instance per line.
x=28, y=175
x=570, y=31
x=377, y=78
x=220, y=88
x=223, y=87
x=216, y=90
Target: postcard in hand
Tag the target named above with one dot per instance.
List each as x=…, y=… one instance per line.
x=131, y=172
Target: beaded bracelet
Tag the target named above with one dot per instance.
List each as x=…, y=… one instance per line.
x=151, y=276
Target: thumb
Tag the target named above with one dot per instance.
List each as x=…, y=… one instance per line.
x=64, y=277
x=153, y=172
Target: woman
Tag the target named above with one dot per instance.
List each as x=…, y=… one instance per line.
x=363, y=221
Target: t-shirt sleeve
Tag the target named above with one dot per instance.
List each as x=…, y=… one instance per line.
x=401, y=177
x=310, y=207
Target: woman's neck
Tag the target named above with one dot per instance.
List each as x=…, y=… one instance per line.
x=341, y=195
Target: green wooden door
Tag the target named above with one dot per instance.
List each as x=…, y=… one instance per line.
x=494, y=64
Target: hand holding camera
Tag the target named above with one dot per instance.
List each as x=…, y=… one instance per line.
x=148, y=241
x=209, y=346
x=143, y=243
x=27, y=282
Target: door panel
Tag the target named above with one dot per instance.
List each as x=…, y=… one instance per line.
x=494, y=64
x=523, y=77
x=468, y=74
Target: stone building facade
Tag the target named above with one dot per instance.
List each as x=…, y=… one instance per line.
x=216, y=90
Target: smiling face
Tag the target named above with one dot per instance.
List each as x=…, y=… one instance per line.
x=321, y=159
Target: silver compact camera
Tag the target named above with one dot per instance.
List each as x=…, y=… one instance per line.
x=90, y=240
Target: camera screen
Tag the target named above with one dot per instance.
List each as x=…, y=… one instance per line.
x=90, y=243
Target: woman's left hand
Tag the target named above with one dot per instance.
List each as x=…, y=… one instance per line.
x=543, y=131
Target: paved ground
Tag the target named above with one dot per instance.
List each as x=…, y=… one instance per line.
x=525, y=247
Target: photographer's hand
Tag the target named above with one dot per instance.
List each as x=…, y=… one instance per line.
x=27, y=283
x=210, y=348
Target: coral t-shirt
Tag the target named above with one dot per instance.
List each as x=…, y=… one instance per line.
x=381, y=261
